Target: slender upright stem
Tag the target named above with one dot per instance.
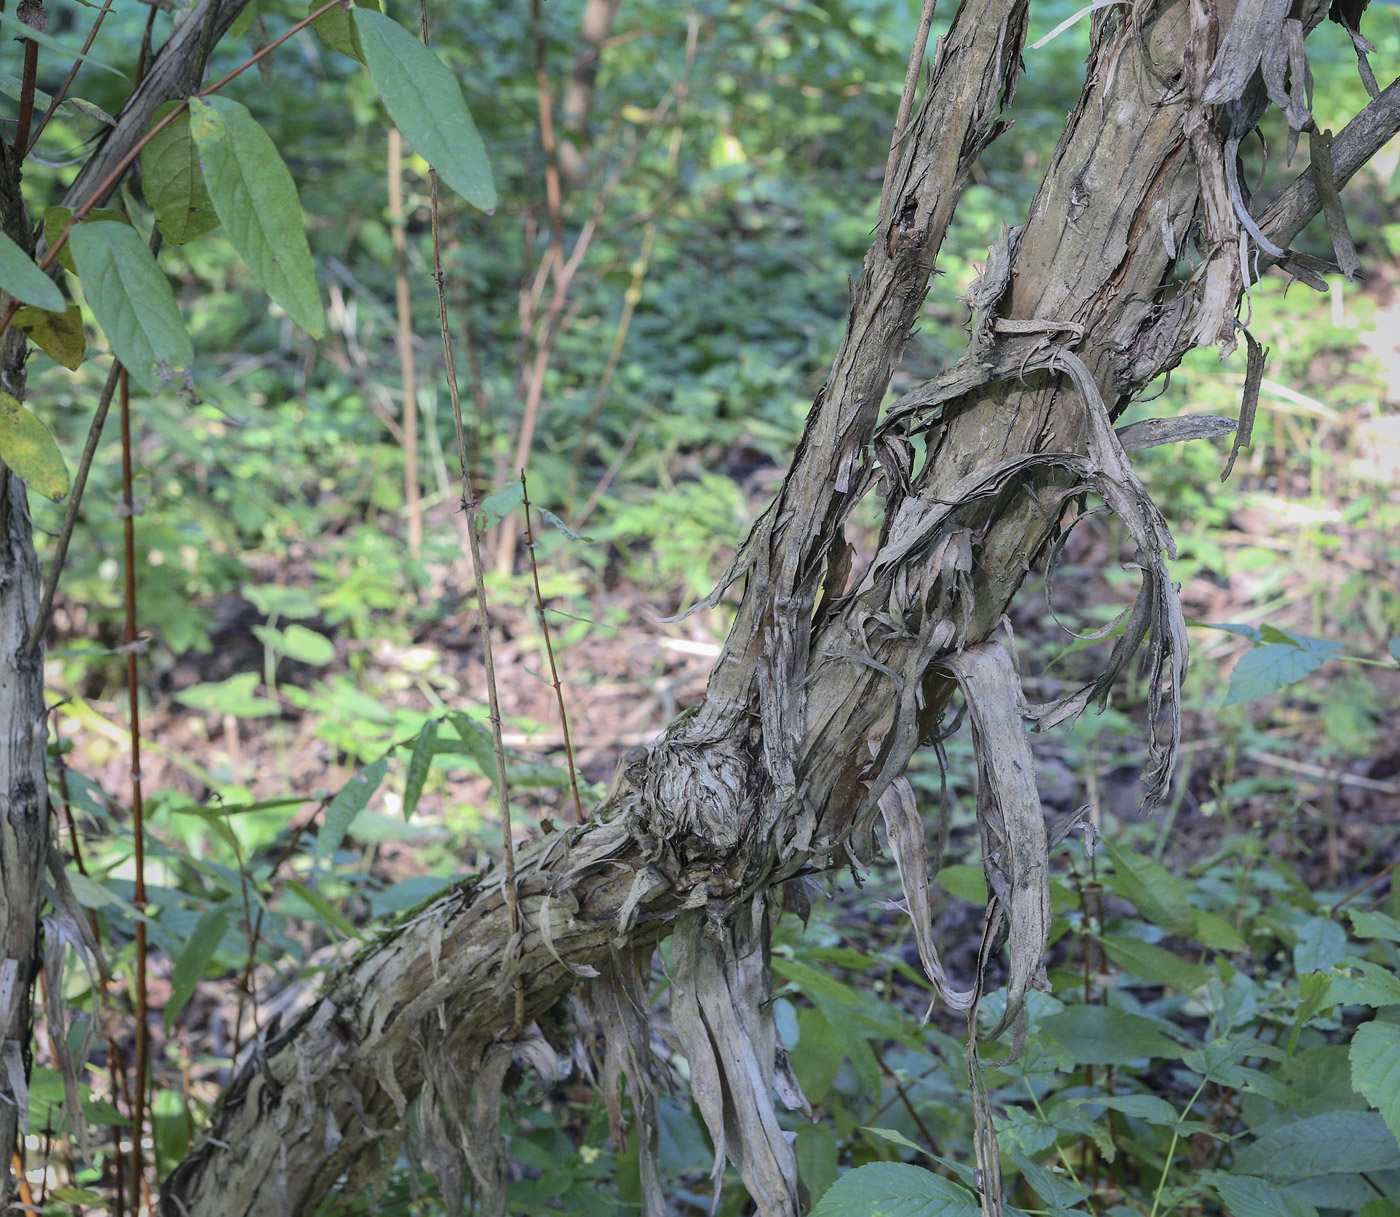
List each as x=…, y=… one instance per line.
x=549, y=652
x=404, y=306
x=138, y=814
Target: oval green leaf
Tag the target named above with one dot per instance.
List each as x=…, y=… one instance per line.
x=59, y=335
x=425, y=102
x=57, y=219
x=337, y=30
x=22, y=278
x=895, y=1189
x=256, y=199
x=133, y=303
x=173, y=182
x=27, y=447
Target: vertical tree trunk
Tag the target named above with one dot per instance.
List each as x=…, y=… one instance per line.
x=24, y=825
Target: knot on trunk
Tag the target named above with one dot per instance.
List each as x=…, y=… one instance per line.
x=700, y=798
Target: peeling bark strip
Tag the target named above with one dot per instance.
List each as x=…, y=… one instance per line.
x=24, y=808
x=815, y=708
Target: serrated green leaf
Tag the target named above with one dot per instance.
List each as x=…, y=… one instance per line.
x=1053, y=1188
x=56, y=219
x=498, y=504
x=133, y=303
x=256, y=199
x=895, y=1189
x=27, y=447
x=1212, y=930
x=425, y=102
x=1155, y=891
x=1374, y=925
x=21, y=277
x=1140, y=1106
x=1375, y=1069
x=194, y=959
x=352, y=799
x=1268, y=668
x=1332, y=1143
x=337, y=30
x=323, y=908
x=419, y=763
x=173, y=182
x=59, y=335
x=1250, y=1196
x=1102, y=1035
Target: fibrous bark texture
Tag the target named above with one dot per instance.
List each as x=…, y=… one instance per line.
x=24, y=834
x=829, y=683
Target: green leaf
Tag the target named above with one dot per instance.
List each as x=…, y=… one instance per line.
x=498, y=504
x=27, y=447
x=1281, y=661
x=1321, y=943
x=895, y=1189
x=194, y=959
x=1333, y=1143
x=1379, y=1206
x=323, y=908
x=19, y=29
x=965, y=882
x=22, y=278
x=419, y=763
x=1374, y=925
x=337, y=30
x=1250, y=1196
x=1244, y=631
x=307, y=646
x=1155, y=964
x=895, y=1137
x=425, y=102
x=1053, y=1188
x=244, y=21
x=1145, y=1107
x=1102, y=1035
x=1212, y=930
x=553, y=520
x=57, y=219
x=173, y=183
x=1375, y=1069
x=59, y=335
x=817, y=1158
x=255, y=197
x=1155, y=891
x=1395, y=642
x=352, y=799
x=477, y=744
x=132, y=301
x=231, y=696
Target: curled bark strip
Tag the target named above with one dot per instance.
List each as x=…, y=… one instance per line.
x=621, y=1014
x=721, y=1008
x=906, y=832
x=1015, y=854
x=1249, y=402
x=1320, y=144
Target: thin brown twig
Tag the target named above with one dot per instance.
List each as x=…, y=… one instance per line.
x=549, y=652
x=469, y=505
x=906, y=105
x=26, y=94
x=72, y=75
